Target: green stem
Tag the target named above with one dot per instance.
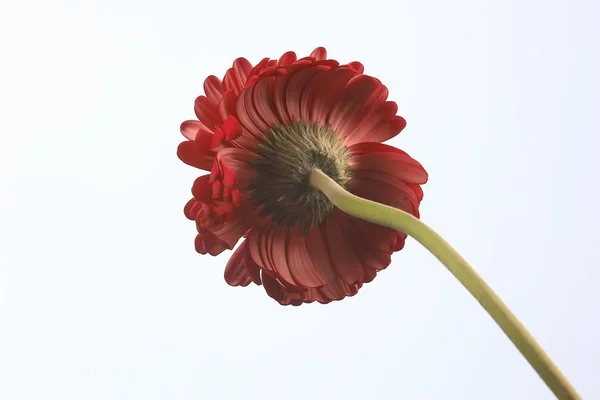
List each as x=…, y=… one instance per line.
x=397, y=219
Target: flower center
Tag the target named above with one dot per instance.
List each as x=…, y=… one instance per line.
x=288, y=154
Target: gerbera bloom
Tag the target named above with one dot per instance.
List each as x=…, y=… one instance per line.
x=260, y=132
x=297, y=168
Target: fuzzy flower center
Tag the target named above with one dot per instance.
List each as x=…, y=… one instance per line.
x=281, y=189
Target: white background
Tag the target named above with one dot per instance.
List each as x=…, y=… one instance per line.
x=103, y=297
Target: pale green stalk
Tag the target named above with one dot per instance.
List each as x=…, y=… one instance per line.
x=397, y=219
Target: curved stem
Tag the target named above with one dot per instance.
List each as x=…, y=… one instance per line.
x=397, y=219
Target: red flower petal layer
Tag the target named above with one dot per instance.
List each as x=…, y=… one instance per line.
x=331, y=261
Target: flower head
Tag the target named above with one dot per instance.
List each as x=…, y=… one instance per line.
x=260, y=132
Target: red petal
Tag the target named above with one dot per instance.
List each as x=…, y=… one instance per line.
x=233, y=230
x=279, y=90
x=236, y=76
x=253, y=268
x=418, y=190
x=206, y=242
x=295, y=89
x=243, y=68
x=318, y=252
x=356, y=92
x=370, y=274
x=353, y=115
x=226, y=106
x=343, y=257
x=286, y=59
x=206, y=111
x=400, y=241
x=304, y=272
x=392, y=193
x=202, y=189
x=232, y=128
x=330, y=92
x=246, y=141
x=247, y=115
x=387, y=160
x=213, y=88
x=235, y=168
x=406, y=198
x=356, y=66
x=192, y=154
x=190, y=128
x=378, y=126
x=187, y=210
x=273, y=289
x=236, y=273
x=310, y=94
x=236, y=197
x=373, y=244
x=387, y=130
x=325, y=295
x=278, y=257
x=326, y=65
x=218, y=139
x=267, y=248
x=262, y=101
x=257, y=70
x=319, y=53
x=217, y=190
x=257, y=246
x=231, y=81
x=240, y=269
x=288, y=296
x=375, y=237
x=248, y=102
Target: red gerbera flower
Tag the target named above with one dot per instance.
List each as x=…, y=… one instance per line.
x=260, y=132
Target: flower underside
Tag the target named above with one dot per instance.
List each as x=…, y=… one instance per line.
x=260, y=132
x=286, y=157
